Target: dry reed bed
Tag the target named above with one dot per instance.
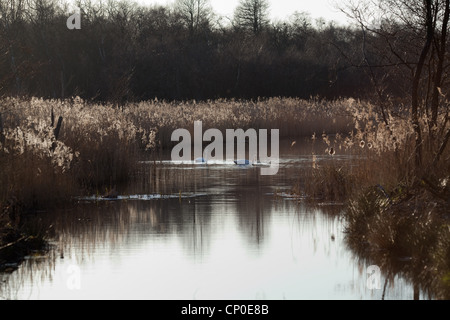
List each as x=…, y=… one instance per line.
x=396, y=214
x=99, y=144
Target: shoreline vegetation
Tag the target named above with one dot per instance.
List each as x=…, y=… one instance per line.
x=396, y=213
x=397, y=217
x=52, y=151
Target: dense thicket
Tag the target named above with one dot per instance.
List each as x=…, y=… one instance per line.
x=124, y=51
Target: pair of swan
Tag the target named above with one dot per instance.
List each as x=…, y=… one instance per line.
x=243, y=162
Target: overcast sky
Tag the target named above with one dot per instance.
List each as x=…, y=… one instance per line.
x=279, y=9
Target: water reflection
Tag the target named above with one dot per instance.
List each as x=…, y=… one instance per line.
x=236, y=240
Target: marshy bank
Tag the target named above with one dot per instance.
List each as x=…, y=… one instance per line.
x=397, y=213
x=406, y=233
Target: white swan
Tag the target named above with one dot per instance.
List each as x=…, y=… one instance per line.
x=242, y=162
x=200, y=160
x=261, y=164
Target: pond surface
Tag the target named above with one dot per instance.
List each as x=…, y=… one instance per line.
x=201, y=232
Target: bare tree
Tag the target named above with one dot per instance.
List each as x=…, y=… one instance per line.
x=441, y=48
x=411, y=43
x=196, y=14
x=252, y=14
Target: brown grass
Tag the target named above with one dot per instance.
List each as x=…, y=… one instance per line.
x=100, y=145
x=396, y=214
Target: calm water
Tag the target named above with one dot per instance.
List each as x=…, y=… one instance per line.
x=200, y=232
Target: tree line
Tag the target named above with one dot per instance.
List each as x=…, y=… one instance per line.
x=128, y=52
x=125, y=52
